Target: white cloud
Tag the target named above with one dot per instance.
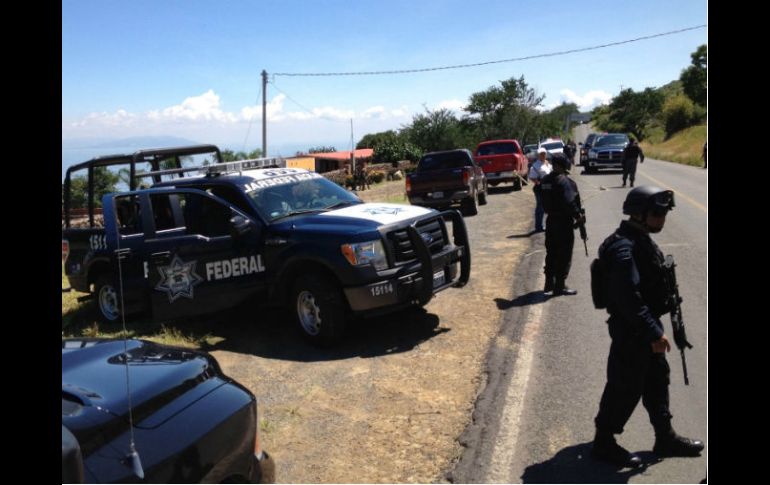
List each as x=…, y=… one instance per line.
x=374, y=112
x=274, y=109
x=586, y=102
x=400, y=112
x=205, y=107
x=203, y=118
x=452, y=104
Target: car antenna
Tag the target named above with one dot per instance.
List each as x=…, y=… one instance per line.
x=133, y=455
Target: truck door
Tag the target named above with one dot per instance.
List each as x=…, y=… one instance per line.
x=195, y=265
x=126, y=238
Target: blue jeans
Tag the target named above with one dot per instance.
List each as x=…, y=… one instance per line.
x=539, y=211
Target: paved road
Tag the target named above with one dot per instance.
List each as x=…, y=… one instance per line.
x=534, y=422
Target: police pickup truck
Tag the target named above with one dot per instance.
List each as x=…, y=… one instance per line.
x=236, y=232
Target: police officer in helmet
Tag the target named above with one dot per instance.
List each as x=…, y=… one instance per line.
x=561, y=202
x=636, y=299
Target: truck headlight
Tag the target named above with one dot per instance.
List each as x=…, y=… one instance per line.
x=591, y=153
x=369, y=252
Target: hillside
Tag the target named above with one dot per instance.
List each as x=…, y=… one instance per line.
x=685, y=146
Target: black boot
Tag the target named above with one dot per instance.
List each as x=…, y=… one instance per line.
x=671, y=444
x=606, y=449
x=560, y=288
x=550, y=282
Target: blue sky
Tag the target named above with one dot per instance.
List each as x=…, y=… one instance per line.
x=192, y=68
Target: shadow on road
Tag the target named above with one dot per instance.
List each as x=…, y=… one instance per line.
x=526, y=234
x=531, y=298
x=267, y=332
x=503, y=189
x=575, y=465
x=271, y=333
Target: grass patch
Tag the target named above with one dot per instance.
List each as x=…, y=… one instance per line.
x=684, y=147
x=79, y=320
x=396, y=199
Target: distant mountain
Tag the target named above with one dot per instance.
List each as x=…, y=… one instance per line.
x=146, y=142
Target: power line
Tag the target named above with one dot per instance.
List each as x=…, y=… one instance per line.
x=251, y=119
x=459, y=66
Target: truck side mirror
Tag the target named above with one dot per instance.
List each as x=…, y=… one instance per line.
x=240, y=226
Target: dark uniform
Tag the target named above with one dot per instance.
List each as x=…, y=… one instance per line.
x=561, y=202
x=636, y=300
x=630, y=155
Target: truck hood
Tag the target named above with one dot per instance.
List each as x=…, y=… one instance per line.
x=355, y=219
x=162, y=378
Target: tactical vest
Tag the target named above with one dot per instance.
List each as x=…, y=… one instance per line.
x=551, y=193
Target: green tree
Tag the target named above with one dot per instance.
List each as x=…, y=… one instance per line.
x=630, y=112
x=104, y=183
x=694, y=78
x=678, y=113
x=504, y=111
x=372, y=140
x=395, y=151
x=434, y=130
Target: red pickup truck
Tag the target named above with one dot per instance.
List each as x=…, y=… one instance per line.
x=502, y=161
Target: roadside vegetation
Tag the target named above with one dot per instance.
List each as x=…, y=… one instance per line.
x=685, y=146
x=670, y=121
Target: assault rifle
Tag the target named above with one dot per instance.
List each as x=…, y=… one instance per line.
x=675, y=304
x=583, y=233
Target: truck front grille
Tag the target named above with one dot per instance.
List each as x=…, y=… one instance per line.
x=433, y=232
x=614, y=156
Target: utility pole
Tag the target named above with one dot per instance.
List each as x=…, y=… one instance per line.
x=352, y=148
x=264, y=113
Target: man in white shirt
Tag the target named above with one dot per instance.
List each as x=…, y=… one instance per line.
x=539, y=169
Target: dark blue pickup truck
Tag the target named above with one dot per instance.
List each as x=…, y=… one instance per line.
x=135, y=411
x=237, y=231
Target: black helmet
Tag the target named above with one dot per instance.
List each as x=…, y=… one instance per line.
x=560, y=159
x=648, y=198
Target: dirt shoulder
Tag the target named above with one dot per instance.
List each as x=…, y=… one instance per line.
x=390, y=402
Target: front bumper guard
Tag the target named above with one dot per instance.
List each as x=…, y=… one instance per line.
x=460, y=236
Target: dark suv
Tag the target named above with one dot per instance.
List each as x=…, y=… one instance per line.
x=584, y=147
x=607, y=152
x=191, y=423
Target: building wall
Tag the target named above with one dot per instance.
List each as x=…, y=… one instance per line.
x=307, y=163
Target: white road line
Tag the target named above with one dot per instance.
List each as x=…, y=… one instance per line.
x=501, y=460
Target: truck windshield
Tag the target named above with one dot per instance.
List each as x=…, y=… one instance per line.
x=440, y=161
x=286, y=196
x=611, y=140
x=497, y=149
x=553, y=146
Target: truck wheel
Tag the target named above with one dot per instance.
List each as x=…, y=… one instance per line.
x=470, y=205
x=107, y=299
x=516, y=184
x=483, y=197
x=319, y=309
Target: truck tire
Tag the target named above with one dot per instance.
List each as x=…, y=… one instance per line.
x=107, y=299
x=470, y=205
x=516, y=184
x=483, y=197
x=319, y=308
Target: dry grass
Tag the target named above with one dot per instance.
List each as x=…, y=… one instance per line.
x=684, y=147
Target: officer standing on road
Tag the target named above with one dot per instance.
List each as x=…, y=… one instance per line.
x=561, y=202
x=630, y=154
x=537, y=171
x=636, y=298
